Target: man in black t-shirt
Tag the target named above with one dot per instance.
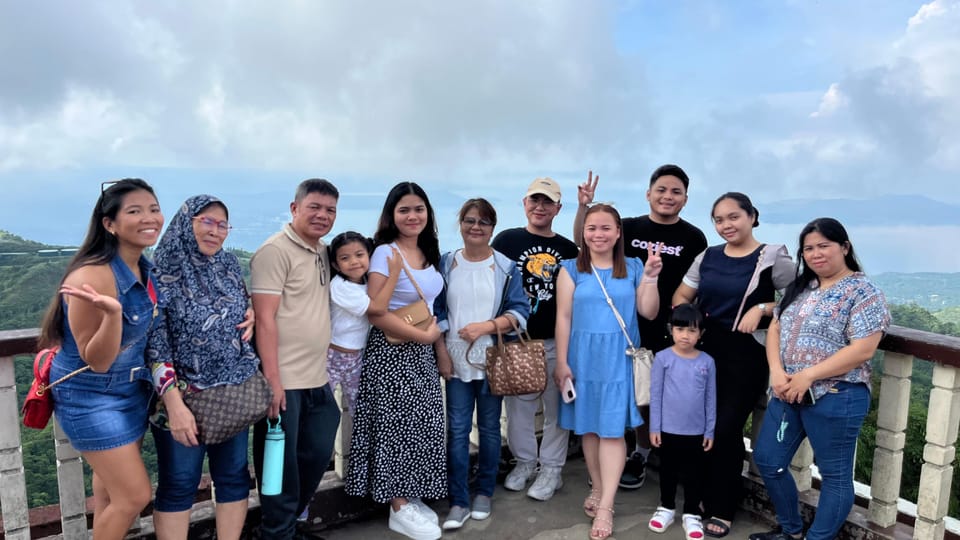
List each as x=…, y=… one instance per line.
x=538, y=252
x=680, y=243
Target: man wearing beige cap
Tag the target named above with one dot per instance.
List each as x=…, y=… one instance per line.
x=538, y=252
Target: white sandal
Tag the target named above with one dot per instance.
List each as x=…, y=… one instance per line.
x=661, y=519
x=692, y=527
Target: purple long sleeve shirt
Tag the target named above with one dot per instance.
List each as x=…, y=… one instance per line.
x=683, y=394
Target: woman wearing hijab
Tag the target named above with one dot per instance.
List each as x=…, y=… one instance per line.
x=202, y=341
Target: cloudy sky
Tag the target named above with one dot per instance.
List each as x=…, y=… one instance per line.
x=781, y=99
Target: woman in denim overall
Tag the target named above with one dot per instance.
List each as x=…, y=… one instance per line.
x=100, y=318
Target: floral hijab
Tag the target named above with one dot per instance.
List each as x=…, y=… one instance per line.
x=206, y=299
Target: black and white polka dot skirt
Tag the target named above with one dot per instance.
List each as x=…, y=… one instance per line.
x=397, y=448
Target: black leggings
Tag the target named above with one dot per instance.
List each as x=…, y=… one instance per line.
x=682, y=461
x=742, y=378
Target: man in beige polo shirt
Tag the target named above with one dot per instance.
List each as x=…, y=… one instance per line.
x=290, y=277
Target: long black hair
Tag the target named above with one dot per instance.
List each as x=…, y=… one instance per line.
x=98, y=247
x=387, y=230
x=832, y=230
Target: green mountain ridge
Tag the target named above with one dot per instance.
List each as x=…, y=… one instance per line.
x=10, y=242
x=931, y=290
x=29, y=279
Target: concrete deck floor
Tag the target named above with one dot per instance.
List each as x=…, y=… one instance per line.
x=516, y=516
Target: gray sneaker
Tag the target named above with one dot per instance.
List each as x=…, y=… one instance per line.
x=517, y=479
x=481, y=507
x=457, y=516
x=547, y=482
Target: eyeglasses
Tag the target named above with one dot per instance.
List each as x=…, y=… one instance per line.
x=541, y=201
x=471, y=221
x=221, y=225
x=323, y=270
x=611, y=204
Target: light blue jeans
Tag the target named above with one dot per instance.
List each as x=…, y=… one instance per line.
x=832, y=425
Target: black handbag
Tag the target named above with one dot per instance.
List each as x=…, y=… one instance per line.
x=223, y=411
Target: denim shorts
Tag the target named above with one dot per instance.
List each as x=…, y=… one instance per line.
x=100, y=411
x=179, y=468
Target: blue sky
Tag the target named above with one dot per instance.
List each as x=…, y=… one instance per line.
x=783, y=100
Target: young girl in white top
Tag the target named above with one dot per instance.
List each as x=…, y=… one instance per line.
x=349, y=306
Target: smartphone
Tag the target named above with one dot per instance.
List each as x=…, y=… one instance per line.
x=568, y=393
x=808, y=398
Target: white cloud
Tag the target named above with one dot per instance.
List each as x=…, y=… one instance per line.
x=483, y=95
x=927, y=11
x=832, y=100
x=932, y=41
x=889, y=122
x=432, y=90
x=85, y=127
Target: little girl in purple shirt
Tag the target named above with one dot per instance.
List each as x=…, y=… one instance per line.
x=683, y=413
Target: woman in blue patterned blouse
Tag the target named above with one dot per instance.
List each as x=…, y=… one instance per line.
x=202, y=341
x=828, y=326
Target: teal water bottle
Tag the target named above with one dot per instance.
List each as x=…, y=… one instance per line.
x=273, y=458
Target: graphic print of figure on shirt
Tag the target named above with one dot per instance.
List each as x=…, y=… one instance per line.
x=539, y=267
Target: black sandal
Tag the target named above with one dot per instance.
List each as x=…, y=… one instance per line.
x=718, y=523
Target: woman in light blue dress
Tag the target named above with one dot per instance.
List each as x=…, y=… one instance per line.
x=591, y=351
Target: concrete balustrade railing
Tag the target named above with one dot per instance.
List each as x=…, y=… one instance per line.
x=902, y=348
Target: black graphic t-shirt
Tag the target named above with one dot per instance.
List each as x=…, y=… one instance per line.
x=538, y=258
x=682, y=242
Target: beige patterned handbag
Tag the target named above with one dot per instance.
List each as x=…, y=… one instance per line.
x=517, y=367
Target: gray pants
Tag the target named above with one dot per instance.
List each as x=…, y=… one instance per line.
x=521, y=430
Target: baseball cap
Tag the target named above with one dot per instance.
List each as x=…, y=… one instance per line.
x=545, y=186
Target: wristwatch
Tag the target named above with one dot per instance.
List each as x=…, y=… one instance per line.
x=763, y=309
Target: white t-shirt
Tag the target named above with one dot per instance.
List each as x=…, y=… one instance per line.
x=429, y=280
x=470, y=294
x=348, y=313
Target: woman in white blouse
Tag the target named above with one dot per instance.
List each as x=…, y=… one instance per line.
x=482, y=296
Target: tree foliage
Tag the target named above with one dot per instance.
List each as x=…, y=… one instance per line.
x=921, y=382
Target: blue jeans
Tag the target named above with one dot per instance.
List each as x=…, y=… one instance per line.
x=461, y=397
x=179, y=468
x=832, y=425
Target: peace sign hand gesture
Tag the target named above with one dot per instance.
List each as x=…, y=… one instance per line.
x=586, y=190
x=654, y=261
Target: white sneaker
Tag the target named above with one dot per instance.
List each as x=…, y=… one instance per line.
x=409, y=522
x=517, y=479
x=547, y=482
x=425, y=510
